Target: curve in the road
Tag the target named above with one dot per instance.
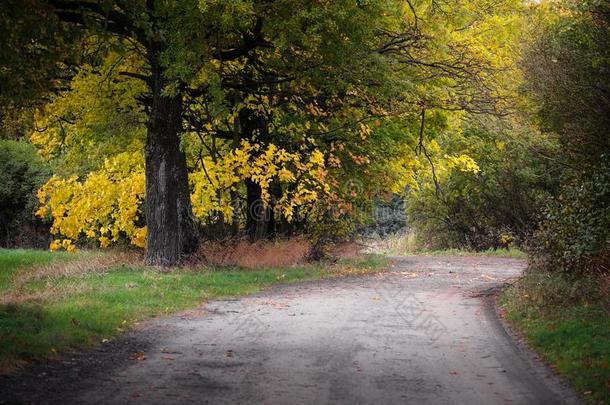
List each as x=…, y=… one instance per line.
x=420, y=334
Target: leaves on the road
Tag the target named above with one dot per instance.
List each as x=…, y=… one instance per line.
x=139, y=356
x=408, y=274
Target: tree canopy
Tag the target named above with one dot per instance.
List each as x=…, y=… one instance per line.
x=167, y=121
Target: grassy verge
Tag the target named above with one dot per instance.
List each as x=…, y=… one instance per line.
x=408, y=244
x=516, y=253
x=12, y=260
x=568, y=324
x=45, y=308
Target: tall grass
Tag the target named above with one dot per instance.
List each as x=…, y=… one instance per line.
x=408, y=244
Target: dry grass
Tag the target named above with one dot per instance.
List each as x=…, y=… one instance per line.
x=398, y=244
x=242, y=253
x=58, y=279
x=91, y=262
x=266, y=254
x=346, y=250
x=50, y=274
x=409, y=244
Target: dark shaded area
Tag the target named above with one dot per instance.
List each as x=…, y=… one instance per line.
x=22, y=172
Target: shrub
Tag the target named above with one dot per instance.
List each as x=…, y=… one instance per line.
x=567, y=71
x=22, y=172
x=495, y=207
x=573, y=237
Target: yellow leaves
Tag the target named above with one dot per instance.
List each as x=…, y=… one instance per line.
x=66, y=244
x=506, y=238
x=364, y=130
x=285, y=175
x=213, y=184
x=104, y=241
x=55, y=244
x=433, y=147
x=41, y=212
x=317, y=158
x=105, y=206
x=463, y=163
x=139, y=237
x=107, y=203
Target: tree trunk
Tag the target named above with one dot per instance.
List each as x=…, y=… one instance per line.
x=257, y=213
x=172, y=232
x=236, y=213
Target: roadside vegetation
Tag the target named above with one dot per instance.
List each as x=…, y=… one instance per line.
x=568, y=323
x=406, y=244
x=52, y=301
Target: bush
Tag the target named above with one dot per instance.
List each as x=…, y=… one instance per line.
x=567, y=71
x=496, y=207
x=22, y=172
x=573, y=237
x=548, y=293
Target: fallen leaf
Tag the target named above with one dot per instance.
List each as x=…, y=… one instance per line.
x=229, y=353
x=139, y=356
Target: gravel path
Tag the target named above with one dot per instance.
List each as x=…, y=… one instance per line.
x=424, y=333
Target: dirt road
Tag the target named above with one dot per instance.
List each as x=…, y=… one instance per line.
x=424, y=333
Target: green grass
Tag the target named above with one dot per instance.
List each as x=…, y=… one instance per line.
x=12, y=259
x=83, y=309
x=568, y=327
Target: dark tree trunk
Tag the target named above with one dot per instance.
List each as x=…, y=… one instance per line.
x=257, y=214
x=172, y=232
x=236, y=213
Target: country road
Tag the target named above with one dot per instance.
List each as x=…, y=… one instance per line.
x=424, y=333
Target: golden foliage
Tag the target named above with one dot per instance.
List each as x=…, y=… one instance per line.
x=104, y=206
x=302, y=179
x=107, y=204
